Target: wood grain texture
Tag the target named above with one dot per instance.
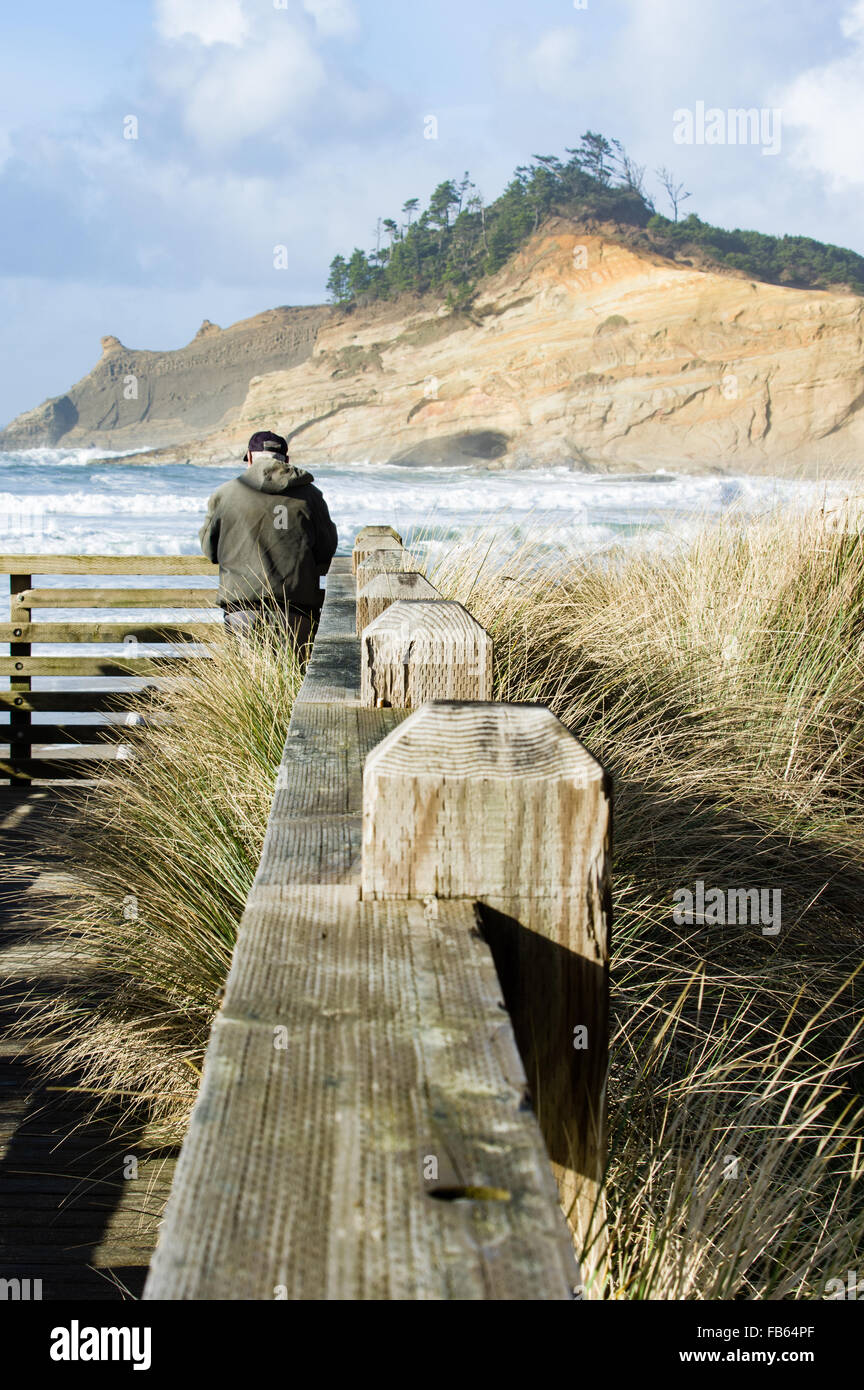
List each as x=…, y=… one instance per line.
x=108, y=632
x=64, y=701
x=41, y=734
x=21, y=633
x=337, y=615
x=366, y=531
x=360, y=1050
x=52, y=769
x=378, y=542
x=340, y=564
x=380, y=561
x=376, y=594
x=90, y=665
x=501, y=805
x=118, y=598
x=425, y=650
x=106, y=564
x=361, y=1062
x=333, y=672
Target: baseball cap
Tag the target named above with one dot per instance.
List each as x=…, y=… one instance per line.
x=265, y=442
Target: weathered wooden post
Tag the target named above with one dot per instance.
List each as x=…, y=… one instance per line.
x=424, y=650
x=366, y=531
x=388, y=587
x=384, y=562
x=366, y=544
x=501, y=804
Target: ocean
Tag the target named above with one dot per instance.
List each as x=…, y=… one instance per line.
x=75, y=501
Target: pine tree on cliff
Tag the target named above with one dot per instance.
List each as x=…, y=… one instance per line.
x=359, y=273
x=338, y=286
x=457, y=240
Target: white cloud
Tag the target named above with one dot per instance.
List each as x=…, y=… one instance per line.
x=209, y=21
x=550, y=66
x=826, y=105
x=258, y=90
x=333, y=18
x=257, y=70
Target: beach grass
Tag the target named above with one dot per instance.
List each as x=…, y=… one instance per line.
x=721, y=682
x=162, y=851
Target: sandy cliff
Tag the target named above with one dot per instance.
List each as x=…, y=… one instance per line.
x=581, y=351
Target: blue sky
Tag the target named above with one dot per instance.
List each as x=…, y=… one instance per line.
x=299, y=122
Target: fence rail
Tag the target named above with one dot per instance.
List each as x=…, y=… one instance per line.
x=72, y=749
x=427, y=930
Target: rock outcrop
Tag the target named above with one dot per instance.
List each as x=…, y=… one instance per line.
x=583, y=351
x=586, y=353
x=133, y=398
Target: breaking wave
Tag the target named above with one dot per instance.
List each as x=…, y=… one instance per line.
x=90, y=502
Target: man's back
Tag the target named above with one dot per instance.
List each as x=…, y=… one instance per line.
x=271, y=535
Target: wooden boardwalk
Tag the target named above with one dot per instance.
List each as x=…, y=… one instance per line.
x=363, y=1128
x=428, y=927
x=68, y=1215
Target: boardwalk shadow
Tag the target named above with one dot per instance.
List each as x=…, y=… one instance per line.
x=73, y=1211
x=664, y=845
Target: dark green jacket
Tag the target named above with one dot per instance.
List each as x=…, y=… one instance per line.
x=271, y=535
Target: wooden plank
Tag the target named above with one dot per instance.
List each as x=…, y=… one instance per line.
x=340, y=585
x=90, y=665
x=41, y=734
x=333, y=672
x=361, y=1131
x=106, y=564
x=337, y=615
x=66, y=701
x=320, y=849
x=108, y=632
x=501, y=805
x=119, y=598
x=362, y=1062
x=322, y=763
x=335, y=620
x=53, y=769
x=340, y=564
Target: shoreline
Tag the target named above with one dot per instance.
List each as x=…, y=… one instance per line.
x=196, y=455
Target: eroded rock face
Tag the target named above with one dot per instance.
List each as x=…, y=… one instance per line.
x=133, y=398
x=581, y=352
x=43, y=427
x=586, y=353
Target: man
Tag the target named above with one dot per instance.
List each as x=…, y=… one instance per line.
x=271, y=535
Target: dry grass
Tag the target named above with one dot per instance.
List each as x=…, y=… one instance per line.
x=723, y=686
x=165, y=848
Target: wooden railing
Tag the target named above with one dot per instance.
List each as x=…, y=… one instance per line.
x=428, y=930
x=123, y=628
